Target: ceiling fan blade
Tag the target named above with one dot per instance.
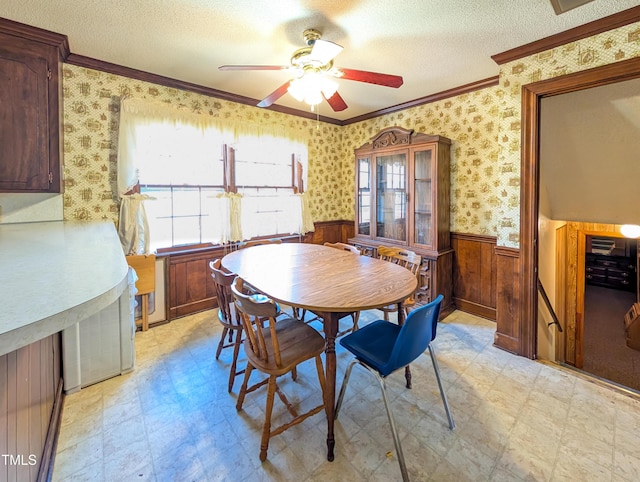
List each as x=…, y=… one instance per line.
x=253, y=67
x=275, y=95
x=336, y=102
x=324, y=51
x=370, y=77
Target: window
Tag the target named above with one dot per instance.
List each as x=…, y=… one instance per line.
x=190, y=170
x=364, y=195
x=391, y=196
x=182, y=167
x=265, y=174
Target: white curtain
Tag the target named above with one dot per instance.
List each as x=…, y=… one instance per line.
x=242, y=216
x=229, y=212
x=138, y=114
x=306, y=224
x=133, y=227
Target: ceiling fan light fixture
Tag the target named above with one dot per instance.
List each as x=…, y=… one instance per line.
x=311, y=68
x=311, y=88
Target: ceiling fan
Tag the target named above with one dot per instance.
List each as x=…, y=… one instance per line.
x=312, y=69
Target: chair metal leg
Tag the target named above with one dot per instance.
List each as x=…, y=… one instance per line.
x=394, y=432
x=356, y=317
x=452, y=425
x=343, y=389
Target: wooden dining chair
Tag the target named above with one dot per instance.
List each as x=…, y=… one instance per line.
x=227, y=316
x=344, y=246
x=258, y=242
x=274, y=349
x=406, y=259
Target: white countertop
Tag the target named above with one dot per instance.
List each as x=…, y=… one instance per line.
x=55, y=274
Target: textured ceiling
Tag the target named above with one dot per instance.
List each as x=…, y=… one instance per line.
x=435, y=45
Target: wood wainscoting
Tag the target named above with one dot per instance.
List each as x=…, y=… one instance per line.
x=30, y=408
x=485, y=278
x=190, y=286
x=509, y=325
x=474, y=274
x=332, y=232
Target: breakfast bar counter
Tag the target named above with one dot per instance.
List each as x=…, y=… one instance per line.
x=54, y=275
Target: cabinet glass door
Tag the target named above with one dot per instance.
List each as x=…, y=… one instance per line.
x=391, y=197
x=423, y=197
x=364, y=196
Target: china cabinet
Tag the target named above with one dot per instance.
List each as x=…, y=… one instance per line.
x=402, y=199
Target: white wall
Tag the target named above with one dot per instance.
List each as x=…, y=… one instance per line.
x=547, y=335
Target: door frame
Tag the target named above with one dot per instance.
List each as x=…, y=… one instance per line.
x=530, y=180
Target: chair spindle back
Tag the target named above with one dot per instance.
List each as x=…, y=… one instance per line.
x=255, y=310
x=222, y=281
x=344, y=246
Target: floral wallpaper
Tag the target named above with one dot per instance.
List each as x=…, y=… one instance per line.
x=484, y=127
x=91, y=110
x=469, y=120
x=605, y=48
x=91, y=104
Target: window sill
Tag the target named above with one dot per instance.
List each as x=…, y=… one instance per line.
x=198, y=248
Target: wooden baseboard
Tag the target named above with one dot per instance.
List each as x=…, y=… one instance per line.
x=45, y=473
x=191, y=308
x=506, y=343
x=475, y=309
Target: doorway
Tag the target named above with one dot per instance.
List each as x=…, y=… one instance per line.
x=530, y=183
x=609, y=291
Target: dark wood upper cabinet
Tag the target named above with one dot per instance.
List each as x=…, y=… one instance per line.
x=30, y=97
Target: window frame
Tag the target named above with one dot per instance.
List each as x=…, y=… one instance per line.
x=229, y=185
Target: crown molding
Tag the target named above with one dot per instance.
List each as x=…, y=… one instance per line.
x=95, y=64
x=37, y=35
x=60, y=41
x=445, y=94
x=616, y=20
x=101, y=65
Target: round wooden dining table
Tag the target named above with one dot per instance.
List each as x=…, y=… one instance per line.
x=328, y=281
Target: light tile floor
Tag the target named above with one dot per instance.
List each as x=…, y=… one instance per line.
x=172, y=419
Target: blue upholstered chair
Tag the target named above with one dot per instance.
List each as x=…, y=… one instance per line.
x=383, y=347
